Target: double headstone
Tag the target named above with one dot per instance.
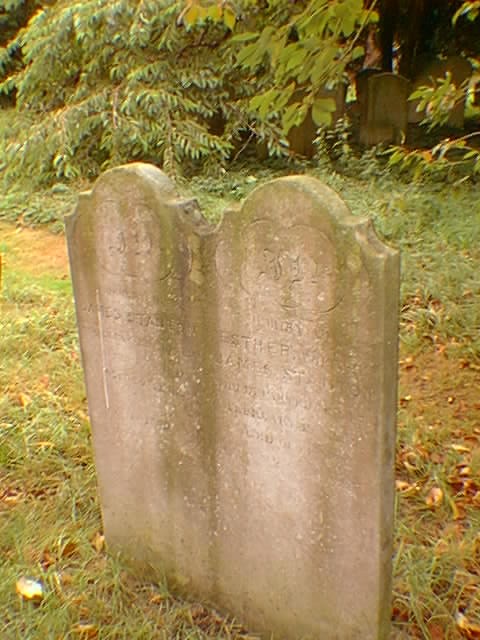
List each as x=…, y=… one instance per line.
x=241, y=384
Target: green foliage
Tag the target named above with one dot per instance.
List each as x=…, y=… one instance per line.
x=305, y=53
x=14, y=14
x=184, y=83
x=115, y=81
x=457, y=157
x=470, y=10
x=451, y=159
x=439, y=99
x=175, y=83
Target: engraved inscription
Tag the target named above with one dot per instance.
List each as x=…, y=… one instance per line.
x=293, y=268
x=254, y=349
x=134, y=317
x=282, y=265
x=137, y=240
x=126, y=248
x=280, y=403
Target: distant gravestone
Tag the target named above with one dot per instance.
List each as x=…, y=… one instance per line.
x=429, y=74
x=384, y=110
x=361, y=85
x=241, y=384
x=301, y=137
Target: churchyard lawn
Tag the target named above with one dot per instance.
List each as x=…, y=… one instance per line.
x=50, y=527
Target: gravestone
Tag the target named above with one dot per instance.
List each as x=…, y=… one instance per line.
x=361, y=85
x=301, y=137
x=241, y=382
x=430, y=72
x=383, y=115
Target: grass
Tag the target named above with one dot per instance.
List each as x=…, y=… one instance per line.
x=437, y=567
x=50, y=527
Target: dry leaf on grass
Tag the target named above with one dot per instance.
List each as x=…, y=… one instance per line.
x=435, y=497
x=86, y=630
x=436, y=632
x=24, y=399
x=68, y=549
x=460, y=448
x=98, y=542
x=29, y=589
x=469, y=629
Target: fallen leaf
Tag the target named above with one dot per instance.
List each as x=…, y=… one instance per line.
x=12, y=496
x=401, y=485
x=458, y=510
x=435, y=497
x=45, y=380
x=47, y=559
x=68, y=549
x=158, y=598
x=441, y=547
x=460, y=448
x=436, y=632
x=29, y=589
x=470, y=629
x=86, y=630
x=465, y=471
x=24, y=399
x=400, y=613
x=98, y=542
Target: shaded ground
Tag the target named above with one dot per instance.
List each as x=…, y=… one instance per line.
x=439, y=389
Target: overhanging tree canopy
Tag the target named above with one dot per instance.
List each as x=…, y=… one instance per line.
x=171, y=81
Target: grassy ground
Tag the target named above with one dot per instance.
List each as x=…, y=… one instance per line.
x=50, y=526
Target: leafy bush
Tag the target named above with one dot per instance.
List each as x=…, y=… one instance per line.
x=169, y=82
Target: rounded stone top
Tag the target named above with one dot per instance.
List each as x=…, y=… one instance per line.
x=135, y=171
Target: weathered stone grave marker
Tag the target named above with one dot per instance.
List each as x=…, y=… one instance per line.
x=384, y=110
x=301, y=137
x=242, y=392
